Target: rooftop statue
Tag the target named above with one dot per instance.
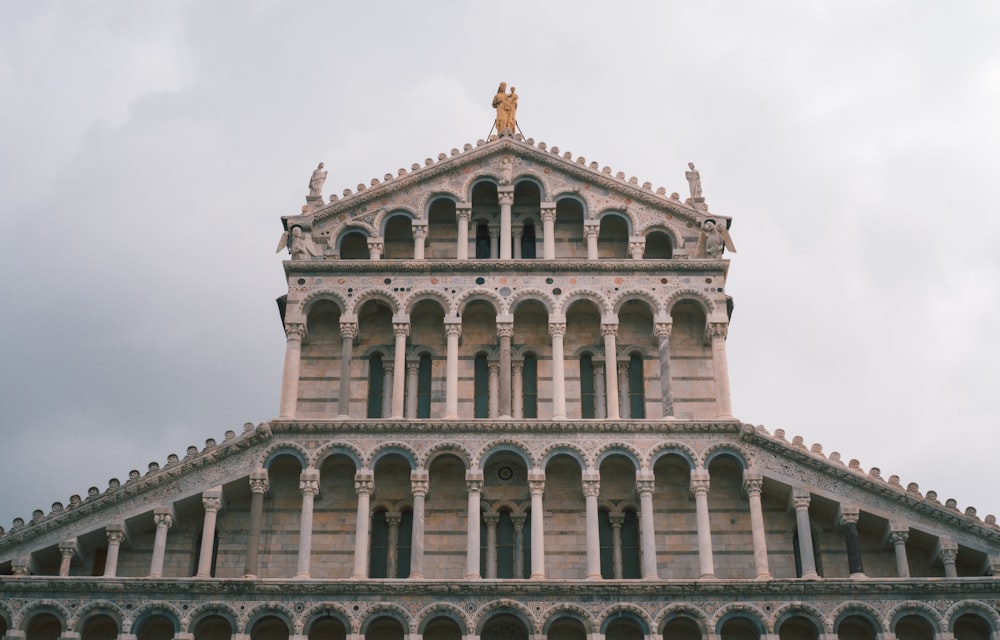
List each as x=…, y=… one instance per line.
x=714, y=237
x=299, y=244
x=694, y=180
x=316, y=182
x=506, y=106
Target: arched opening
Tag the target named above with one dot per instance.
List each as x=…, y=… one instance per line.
x=506, y=498
x=212, y=628
x=681, y=628
x=427, y=338
x=45, y=626
x=690, y=359
x=442, y=229
x=636, y=387
x=583, y=337
x=398, y=238
x=327, y=628
x=378, y=551
x=914, y=627
x=568, y=229
x=320, y=357
x=354, y=246
x=530, y=386
x=424, y=381
x=505, y=545
x=856, y=627
x=155, y=627
x=739, y=628
x=481, y=387
x=565, y=518
x=504, y=627
x=635, y=337
x=392, y=521
x=971, y=626
x=798, y=628
x=334, y=516
x=385, y=628
x=269, y=628
x=726, y=484
x=529, y=249
x=612, y=239
x=587, y=394
x=527, y=203
x=445, y=505
x=376, y=377
x=442, y=628
x=624, y=628
x=618, y=524
x=484, y=245
x=658, y=246
x=282, y=503
x=673, y=510
x=486, y=214
x=566, y=629
x=104, y=627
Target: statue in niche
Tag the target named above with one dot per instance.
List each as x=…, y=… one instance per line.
x=299, y=244
x=713, y=239
x=506, y=106
x=694, y=180
x=316, y=182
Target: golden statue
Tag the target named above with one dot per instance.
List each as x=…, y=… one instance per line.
x=506, y=106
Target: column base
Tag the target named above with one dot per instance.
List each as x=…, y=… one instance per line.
x=596, y=576
x=725, y=417
x=473, y=576
x=669, y=418
x=343, y=416
x=707, y=576
x=858, y=576
x=812, y=575
x=250, y=576
x=537, y=576
x=764, y=576
x=302, y=576
x=416, y=576
x=558, y=417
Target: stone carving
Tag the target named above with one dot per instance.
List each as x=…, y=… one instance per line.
x=316, y=182
x=694, y=180
x=506, y=106
x=714, y=238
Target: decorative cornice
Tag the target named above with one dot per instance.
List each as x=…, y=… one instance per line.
x=282, y=427
x=439, y=267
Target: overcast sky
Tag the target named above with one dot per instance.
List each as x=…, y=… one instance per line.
x=148, y=150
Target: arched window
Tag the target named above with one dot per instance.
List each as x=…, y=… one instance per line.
x=528, y=241
x=505, y=546
x=424, y=387
x=619, y=541
x=404, y=544
x=354, y=246
x=658, y=246
x=482, y=241
x=605, y=535
x=375, y=390
x=636, y=387
x=529, y=386
x=630, y=546
x=587, y=386
x=379, y=552
x=482, y=387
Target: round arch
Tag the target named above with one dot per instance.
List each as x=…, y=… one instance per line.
x=383, y=217
x=386, y=610
x=974, y=607
x=209, y=609
x=676, y=238
x=92, y=609
x=618, y=449
x=855, y=608
x=678, y=449
x=377, y=295
x=505, y=446
x=323, y=295
x=338, y=448
x=150, y=609
x=801, y=610
x=630, y=612
x=688, y=295
x=353, y=226
x=278, y=449
x=656, y=307
x=589, y=295
x=443, y=449
x=508, y=607
x=392, y=448
x=434, y=295
x=484, y=295
x=269, y=609
x=42, y=608
x=685, y=611
x=744, y=611
x=619, y=213
x=572, y=612
x=533, y=178
x=573, y=197
x=564, y=449
x=725, y=449
x=439, y=610
x=919, y=609
x=537, y=295
x=429, y=199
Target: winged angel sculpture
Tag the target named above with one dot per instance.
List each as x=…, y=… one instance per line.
x=713, y=239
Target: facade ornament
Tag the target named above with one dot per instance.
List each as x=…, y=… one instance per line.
x=694, y=182
x=295, y=331
x=717, y=330
x=713, y=239
x=349, y=330
x=557, y=329
x=663, y=329
x=506, y=106
x=316, y=182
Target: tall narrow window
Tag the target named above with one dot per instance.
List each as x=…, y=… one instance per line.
x=529, y=385
x=403, y=545
x=482, y=387
x=424, y=387
x=605, y=536
x=528, y=241
x=375, y=386
x=630, y=546
x=482, y=241
x=505, y=546
x=379, y=545
x=636, y=387
x=586, y=386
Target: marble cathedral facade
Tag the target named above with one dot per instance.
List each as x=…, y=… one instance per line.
x=504, y=415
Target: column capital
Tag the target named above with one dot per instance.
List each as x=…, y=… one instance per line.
x=617, y=520
x=753, y=483
x=463, y=211
x=309, y=481
x=801, y=498
x=491, y=518
x=364, y=481
x=505, y=197
x=557, y=329
x=849, y=514
x=348, y=329
x=376, y=243
x=899, y=537
x=536, y=482
x=505, y=329
x=163, y=519
x=392, y=518
x=67, y=548
x=548, y=213
x=419, y=482
x=211, y=499
x=412, y=366
x=700, y=482
x=116, y=533
x=494, y=367
x=258, y=481
x=295, y=331
x=948, y=554
x=419, y=230
x=474, y=481
x=493, y=230
x=609, y=329
x=517, y=519
x=636, y=247
x=401, y=329
x=517, y=366
x=453, y=326
x=717, y=330
x=591, y=488
x=663, y=329
x=591, y=230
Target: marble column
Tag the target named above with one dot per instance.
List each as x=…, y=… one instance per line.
x=388, y=377
x=494, y=231
x=807, y=556
x=662, y=331
x=645, y=483
x=753, y=484
x=494, y=389
x=294, y=333
x=505, y=331
x=412, y=388
x=67, y=549
x=517, y=389
x=419, y=237
x=517, y=519
x=536, y=485
x=624, y=404
x=364, y=481
x=463, y=213
x=211, y=499
x=549, y=231
x=591, y=232
x=453, y=329
x=517, y=233
x=600, y=405
x=163, y=519
x=717, y=331
x=491, y=519
x=392, y=520
x=617, y=565
x=899, y=534
x=116, y=535
x=348, y=332
x=419, y=481
x=610, y=330
x=375, y=247
x=948, y=551
x=849, y=520
x=557, y=329
x=400, y=329
x=699, y=487
x=258, y=487
x=309, y=487
x=506, y=197
x=474, y=483
x=591, y=491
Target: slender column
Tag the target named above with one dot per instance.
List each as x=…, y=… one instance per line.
x=618, y=566
x=609, y=330
x=717, y=331
x=388, y=376
x=412, y=383
x=491, y=519
x=753, y=484
x=948, y=551
x=363, y=484
x=517, y=233
x=517, y=391
x=849, y=520
x=591, y=231
x=163, y=519
x=348, y=331
x=294, y=333
x=258, y=487
x=600, y=406
x=700, y=486
x=67, y=549
x=557, y=329
x=662, y=331
x=494, y=231
x=506, y=197
x=463, y=214
x=899, y=534
x=536, y=484
x=453, y=328
x=591, y=490
x=549, y=232
x=419, y=481
x=392, y=519
x=474, y=482
x=419, y=235
x=517, y=519
x=116, y=535
x=375, y=246
x=800, y=499
x=625, y=406
x=212, y=501
x=505, y=330
x=494, y=389
x=401, y=329
x=647, y=533
x=309, y=486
